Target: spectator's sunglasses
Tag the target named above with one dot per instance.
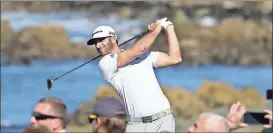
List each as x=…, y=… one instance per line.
x=40, y=116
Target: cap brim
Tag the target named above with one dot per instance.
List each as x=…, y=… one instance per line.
x=91, y=41
x=91, y=114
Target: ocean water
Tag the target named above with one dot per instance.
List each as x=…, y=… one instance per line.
x=22, y=86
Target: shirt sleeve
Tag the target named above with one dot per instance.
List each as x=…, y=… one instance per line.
x=153, y=57
x=108, y=66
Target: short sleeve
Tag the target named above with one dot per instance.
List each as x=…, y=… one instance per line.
x=108, y=66
x=153, y=57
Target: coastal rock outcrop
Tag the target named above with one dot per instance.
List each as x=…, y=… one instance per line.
x=185, y=104
x=49, y=41
x=230, y=32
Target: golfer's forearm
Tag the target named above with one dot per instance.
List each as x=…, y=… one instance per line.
x=141, y=46
x=174, y=47
x=145, y=43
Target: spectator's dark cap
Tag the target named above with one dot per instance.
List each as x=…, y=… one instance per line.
x=107, y=107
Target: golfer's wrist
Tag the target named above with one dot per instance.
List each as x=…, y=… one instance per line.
x=169, y=29
x=156, y=31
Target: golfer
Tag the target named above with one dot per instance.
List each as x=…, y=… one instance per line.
x=131, y=73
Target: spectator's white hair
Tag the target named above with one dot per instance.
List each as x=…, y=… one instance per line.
x=215, y=122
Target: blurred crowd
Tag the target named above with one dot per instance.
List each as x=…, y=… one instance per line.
x=109, y=115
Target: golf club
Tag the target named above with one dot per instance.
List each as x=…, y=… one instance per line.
x=50, y=82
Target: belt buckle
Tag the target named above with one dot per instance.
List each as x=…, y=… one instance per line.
x=147, y=119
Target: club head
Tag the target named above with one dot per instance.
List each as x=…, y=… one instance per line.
x=49, y=84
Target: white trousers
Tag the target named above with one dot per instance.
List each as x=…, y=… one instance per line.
x=164, y=124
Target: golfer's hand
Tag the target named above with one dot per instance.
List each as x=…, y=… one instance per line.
x=164, y=22
x=155, y=26
x=268, y=116
x=234, y=117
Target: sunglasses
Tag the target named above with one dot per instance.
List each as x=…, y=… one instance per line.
x=92, y=117
x=40, y=116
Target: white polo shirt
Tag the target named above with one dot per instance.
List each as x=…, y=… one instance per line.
x=136, y=84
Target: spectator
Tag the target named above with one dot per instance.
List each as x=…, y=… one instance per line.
x=36, y=129
x=268, y=127
x=210, y=122
x=269, y=117
x=50, y=112
x=108, y=116
x=235, y=115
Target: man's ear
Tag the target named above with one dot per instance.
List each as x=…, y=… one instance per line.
x=113, y=39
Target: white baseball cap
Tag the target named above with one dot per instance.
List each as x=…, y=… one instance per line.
x=100, y=32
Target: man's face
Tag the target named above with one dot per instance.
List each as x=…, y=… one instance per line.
x=199, y=126
x=44, y=116
x=104, y=45
x=96, y=125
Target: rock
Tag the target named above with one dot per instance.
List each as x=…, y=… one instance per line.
x=233, y=41
x=125, y=12
x=189, y=42
x=232, y=4
x=184, y=29
x=216, y=95
x=105, y=91
x=176, y=3
x=81, y=51
x=6, y=33
x=6, y=30
x=265, y=6
x=20, y=61
x=180, y=17
x=252, y=98
x=48, y=41
x=79, y=117
x=238, y=29
x=202, y=12
x=45, y=41
x=184, y=103
x=15, y=61
x=198, y=3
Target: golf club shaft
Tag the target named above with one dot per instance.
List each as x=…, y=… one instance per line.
x=76, y=68
x=139, y=35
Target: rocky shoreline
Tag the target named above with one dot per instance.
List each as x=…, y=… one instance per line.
x=186, y=105
x=240, y=36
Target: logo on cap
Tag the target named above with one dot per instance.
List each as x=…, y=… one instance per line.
x=97, y=32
